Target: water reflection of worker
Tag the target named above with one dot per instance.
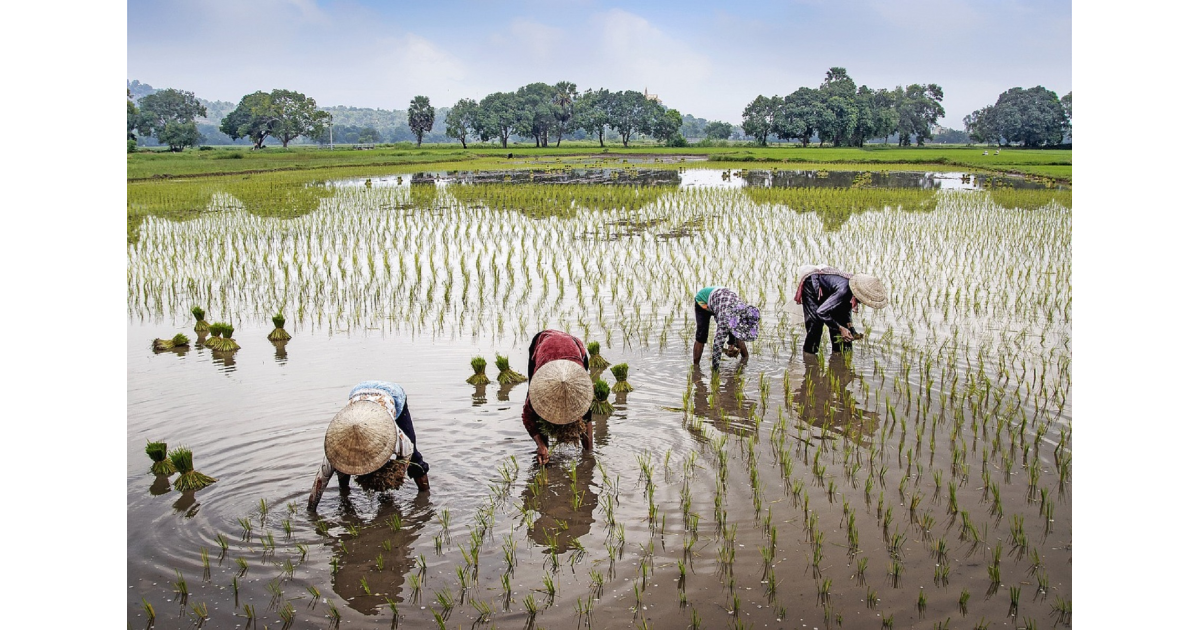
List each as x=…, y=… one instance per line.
x=829, y=296
x=358, y=554
x=737, y=323
x=826, y=398
x=549, y=493
x=725, y=412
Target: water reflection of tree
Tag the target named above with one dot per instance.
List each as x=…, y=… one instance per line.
x=824, y=400
x=564, y=503
x=723, y=403
x=358, y=555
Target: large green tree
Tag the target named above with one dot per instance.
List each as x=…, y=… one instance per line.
x=1066, y=105
x=536, y=103
x=170, y=116
x=981, y=126
x=461, y=120
x=758, y=119
x=252, y=118
x=420, y=117
x=717, y=130
x=565, y=94
x=132, y=117
x=591, y=112
x=839, y=96
x=1032, y=117
x=920, y=107
x=630, y=112
x=799, y=115
x=664, y=124
x=498, y=116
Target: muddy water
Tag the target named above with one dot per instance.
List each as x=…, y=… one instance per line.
x=731, y=468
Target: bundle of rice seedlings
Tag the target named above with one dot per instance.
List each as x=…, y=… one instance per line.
x=162, y=345
x=189, y=479
x=601, y=406
x=563, y=433
x=597, y=362
x=389, y=477
x=279, y=334
x=222, y=339
x=479, y=364
x=507, y=374
x=201, y=325
x=158, y=454
x=621, y=372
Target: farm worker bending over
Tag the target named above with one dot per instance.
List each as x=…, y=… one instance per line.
x=365, y=434
x=560, y=394
x=737, y=323
x=828, y=296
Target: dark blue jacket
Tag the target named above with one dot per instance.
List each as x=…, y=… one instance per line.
x=826, y=298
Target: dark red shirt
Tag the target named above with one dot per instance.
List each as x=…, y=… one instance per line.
x=547, y=346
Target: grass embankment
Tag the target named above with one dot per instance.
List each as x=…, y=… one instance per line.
x=1054, y=163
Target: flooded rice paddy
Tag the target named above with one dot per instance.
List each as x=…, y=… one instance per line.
x=922, y=481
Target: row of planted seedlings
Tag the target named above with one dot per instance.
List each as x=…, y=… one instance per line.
x=629, y=270
x=996, y=312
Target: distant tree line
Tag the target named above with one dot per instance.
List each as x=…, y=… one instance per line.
x=841, y=113
x=837, y=112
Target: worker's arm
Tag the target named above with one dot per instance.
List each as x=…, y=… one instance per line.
x=323, y=476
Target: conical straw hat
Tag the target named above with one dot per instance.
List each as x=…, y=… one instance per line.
x=360, y=438
x=561, y=391
x=869, y=290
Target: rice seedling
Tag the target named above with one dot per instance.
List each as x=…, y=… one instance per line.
x=596, y=363
x=507, y=374
x=180, y=587
x=600, y=405
x=202, y=326
x=248, y=613
x=287, y=614
x=149, y=610
x=620, y=372
x=1014, y=600
x=531, y=606
x=200, y=612
x=278, y=333
x=478, y=365
x=158, y=454
x=188, y=479
x=222, y=338
x=180, y=340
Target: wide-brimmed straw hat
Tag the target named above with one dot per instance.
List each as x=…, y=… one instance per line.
x=869, y=290
x=561, y=391
x=360, y=438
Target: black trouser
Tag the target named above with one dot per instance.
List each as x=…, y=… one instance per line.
x=813, y=327
x=416, y=466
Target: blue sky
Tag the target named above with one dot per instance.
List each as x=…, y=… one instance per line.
x=705, y=58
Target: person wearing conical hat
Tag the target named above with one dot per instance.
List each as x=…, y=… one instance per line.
x=829, y=297
x=737, y=323
x=371, y=429
x=560, y=389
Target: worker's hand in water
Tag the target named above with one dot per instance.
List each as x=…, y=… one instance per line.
x=846, y=334
x=543, y=454
x=731, y=351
